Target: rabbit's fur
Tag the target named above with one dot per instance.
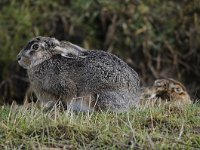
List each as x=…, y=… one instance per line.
x=165, y=91
x=83, y=80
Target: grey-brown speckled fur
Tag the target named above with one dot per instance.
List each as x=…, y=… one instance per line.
x=110, y=82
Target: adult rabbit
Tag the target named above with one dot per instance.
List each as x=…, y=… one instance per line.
x=83, y=80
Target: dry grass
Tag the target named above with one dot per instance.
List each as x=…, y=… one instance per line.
x=154, y=128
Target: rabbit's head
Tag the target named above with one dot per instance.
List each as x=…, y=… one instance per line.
x=40, y=49
x=36, y=51
x=173, y=90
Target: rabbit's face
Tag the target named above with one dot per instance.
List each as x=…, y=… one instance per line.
x=178, y=92
x=173, y=90
x=36, y=51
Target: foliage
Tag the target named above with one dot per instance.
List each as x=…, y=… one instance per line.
x=157, y=38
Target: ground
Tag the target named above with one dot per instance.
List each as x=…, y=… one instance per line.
x=163, y=127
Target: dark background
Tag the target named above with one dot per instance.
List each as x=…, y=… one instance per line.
x=157, y=38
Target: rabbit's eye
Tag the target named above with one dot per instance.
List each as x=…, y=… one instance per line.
x=178, y=90
x=35, y=46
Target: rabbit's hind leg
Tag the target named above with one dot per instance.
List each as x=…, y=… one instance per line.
x=84, y=103
x=117, y=101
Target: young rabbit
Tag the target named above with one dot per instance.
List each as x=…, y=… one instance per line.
x=83, y=80
x=165, y=91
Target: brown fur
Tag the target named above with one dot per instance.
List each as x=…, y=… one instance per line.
x=168, y=91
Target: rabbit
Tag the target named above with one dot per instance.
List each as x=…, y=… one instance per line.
x=166, y=91
x=62, y=71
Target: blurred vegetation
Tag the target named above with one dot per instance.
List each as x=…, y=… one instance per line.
x=157, y=38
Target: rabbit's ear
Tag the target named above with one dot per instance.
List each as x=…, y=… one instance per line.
x=69, y=50
x=54, y=42
x=160, y=83
x=73, y=46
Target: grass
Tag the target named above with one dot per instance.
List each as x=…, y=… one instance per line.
x=142, y=128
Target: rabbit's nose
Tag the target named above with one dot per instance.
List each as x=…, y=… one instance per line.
x=18, y=57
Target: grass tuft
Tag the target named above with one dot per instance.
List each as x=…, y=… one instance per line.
x=24, y=127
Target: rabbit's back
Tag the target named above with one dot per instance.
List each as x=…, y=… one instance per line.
x=99, y=71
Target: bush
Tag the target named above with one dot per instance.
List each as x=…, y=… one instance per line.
x=157, y=38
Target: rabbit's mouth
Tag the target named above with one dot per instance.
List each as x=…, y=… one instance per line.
x=24, y=62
